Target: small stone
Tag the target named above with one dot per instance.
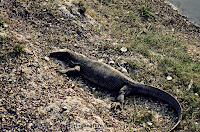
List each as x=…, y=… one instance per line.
x=143, y=125
x=93, y=89
x=169, y=78
x=196, y=94
x=11, y=92
x=30, y=125
x=116, y=17
x=114, y=44
x=149, y=123
x=122, y=62
x=46, y=58
x=73, y=85
x=3, y=35
x=11, y=117
x=123, y=49
x=23, y=70
x=75, y=45
x=111, y=62
x=185, y=127
x=64, y=108
x=28, y=37
x=28, y=51
x=5, y=25
x=190, y=85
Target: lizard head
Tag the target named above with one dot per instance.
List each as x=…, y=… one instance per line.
x=61, y=55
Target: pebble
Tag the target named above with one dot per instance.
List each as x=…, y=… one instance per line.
x=143, y=125
x=23, y=70
x=11, y=92
x=114, y=44
x=169, y=78
x=122, y=62
x=46, y=58
x=123, y=49
x=73, y=85
x=75, y=45
x=3, y=35
x=28, y=51
x=64, y=108
x=111, y=62
x=149, y=123
x=30, y=125
x=5, y=25
x=93, y=89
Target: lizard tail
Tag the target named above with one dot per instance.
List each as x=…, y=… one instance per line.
x=160, y=94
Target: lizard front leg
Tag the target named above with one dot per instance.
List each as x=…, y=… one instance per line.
x=70, y=71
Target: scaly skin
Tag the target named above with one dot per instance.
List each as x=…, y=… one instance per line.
x=110, y=78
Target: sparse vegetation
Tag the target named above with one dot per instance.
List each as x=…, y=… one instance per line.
x=18, y=50
x=162, y=47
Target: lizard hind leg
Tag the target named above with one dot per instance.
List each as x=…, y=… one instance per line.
x=125, y=90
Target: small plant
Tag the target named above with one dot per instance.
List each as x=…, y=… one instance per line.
x=1, y=22
x=145, y=12
x=147, y=117
x=18, y=50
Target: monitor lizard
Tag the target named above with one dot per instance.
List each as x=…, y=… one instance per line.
x=110, y=78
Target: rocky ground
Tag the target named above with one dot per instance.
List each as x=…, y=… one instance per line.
x=33, y=97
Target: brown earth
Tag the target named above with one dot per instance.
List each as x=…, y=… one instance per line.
x=33, y=97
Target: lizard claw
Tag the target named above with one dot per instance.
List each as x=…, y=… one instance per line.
x=115, y=106
x=60, y=70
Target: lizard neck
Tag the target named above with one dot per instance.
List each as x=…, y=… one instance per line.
x=76, y=58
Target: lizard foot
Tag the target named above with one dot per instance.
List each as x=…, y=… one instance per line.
x=60, y=71
x=69, y=71
x=115, y=106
